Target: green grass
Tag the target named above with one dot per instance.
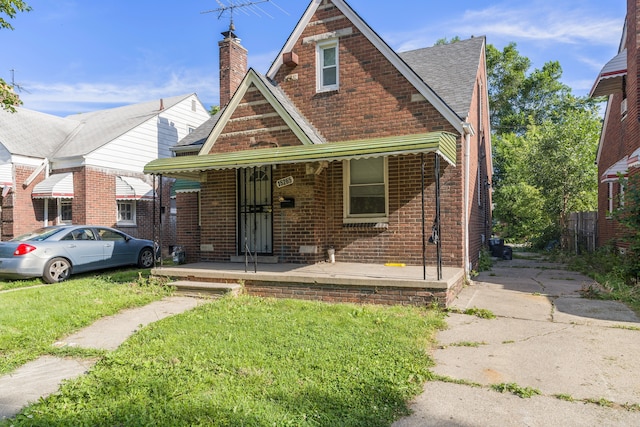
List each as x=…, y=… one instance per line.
x=249, y=361
x=33, y=318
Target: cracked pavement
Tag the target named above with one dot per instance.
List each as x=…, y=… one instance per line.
x=545, y=336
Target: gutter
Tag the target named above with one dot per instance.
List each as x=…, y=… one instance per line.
x=467, y=132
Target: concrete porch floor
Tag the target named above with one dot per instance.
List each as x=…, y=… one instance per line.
x=341, y=274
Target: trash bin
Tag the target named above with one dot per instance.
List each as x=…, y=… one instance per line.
x=179, y=255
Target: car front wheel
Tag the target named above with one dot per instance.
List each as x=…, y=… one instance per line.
x=145, y=260
x=56, y=270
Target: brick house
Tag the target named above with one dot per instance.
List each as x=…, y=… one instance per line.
x=344, y=145
x=619, y=146
x=87, y=168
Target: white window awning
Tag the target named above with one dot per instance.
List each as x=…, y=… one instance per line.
x=615, y=171
x=634, y=159
x=6, y=176
x=57, y=186
x=610, y=79
x=128, y=188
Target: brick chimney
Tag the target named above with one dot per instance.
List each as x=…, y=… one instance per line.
x=233, y=65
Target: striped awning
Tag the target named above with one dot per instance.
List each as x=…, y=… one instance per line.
x=184, y=186
x=128, y=188
x=57, y=186
x=610, y=79
x=615, y=171
x=6, y=175
x=189, y=167
x=634, y=159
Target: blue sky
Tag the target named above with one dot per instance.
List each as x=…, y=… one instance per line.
x=74, y=56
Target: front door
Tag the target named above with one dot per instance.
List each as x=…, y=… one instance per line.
x=255, y=208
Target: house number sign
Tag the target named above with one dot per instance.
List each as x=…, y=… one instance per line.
x=284, y=182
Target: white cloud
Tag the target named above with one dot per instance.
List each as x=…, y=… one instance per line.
x=544, y=22
x=67, y=98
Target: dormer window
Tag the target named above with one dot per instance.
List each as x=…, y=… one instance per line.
x=327, y=65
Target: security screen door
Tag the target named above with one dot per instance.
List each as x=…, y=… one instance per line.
x=255, y=211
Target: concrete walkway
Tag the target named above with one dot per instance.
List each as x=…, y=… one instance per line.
x=43, y=376
x=546, y=337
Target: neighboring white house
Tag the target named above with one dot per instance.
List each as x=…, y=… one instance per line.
x=88, y=168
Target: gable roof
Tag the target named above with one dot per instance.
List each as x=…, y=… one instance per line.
x=411, y=75
x=305, y=132
x=39, y=135
x=100, y=127
x=450, y=70
x=33, y=134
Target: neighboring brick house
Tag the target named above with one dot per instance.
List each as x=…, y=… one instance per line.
x=619, y=147
x=88, y=168
x=336, y=148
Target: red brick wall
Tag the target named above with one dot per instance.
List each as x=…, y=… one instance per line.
x=187, y=228
x=26, y=213
x=233, y=67
x=621, y=135
x=374, y=100
x=219, y=213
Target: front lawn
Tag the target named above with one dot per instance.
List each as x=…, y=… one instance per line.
x=249, y=361
x=33, y=318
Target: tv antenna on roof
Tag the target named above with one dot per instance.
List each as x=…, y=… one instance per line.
x=245, y=7
x=15, y=85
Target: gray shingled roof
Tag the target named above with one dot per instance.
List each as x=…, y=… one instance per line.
x=198, y=137
x=33, y=134
x=450, y=70
x=40, y=135
x=100, y=127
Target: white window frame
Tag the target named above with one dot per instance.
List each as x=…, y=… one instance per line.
x=59, y=206
x=348, y=217
x=320, y=66
x=125, y=222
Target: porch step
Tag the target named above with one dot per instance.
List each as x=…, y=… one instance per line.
x=262, y=259
x=205, y=289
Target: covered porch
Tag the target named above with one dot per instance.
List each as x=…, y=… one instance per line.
x=331, y=282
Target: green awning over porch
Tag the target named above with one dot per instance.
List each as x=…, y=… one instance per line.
x=442, y=143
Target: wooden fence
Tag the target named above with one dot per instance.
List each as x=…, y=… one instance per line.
x=583, y=232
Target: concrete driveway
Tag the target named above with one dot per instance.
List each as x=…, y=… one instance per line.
x=583, y=356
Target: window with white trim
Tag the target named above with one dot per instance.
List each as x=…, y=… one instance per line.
x=327, y=66
x=366, y=190
x=66, y=211
x=126, y=212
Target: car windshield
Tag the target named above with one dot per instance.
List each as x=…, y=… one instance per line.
x=38, y=235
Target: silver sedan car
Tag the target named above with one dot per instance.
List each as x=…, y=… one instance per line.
x=54, y=253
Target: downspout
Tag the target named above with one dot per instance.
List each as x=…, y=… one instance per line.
x=468, y=131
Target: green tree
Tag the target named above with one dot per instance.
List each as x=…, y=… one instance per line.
x=544, y=141
x=8, y=10
x=519, y=97
x=563, y=168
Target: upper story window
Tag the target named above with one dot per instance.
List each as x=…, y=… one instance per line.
x=327, y=65
x=366, y=192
